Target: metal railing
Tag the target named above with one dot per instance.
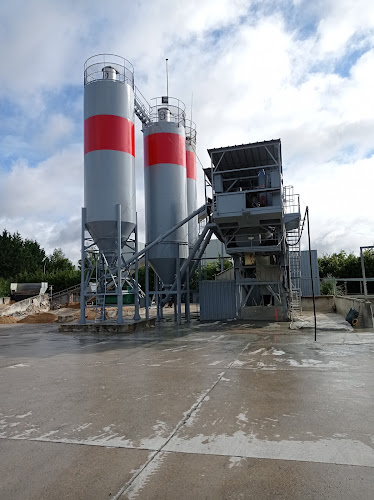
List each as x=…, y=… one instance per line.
x=291, y=201
x=94, y=69
x=291, y=204
x=175, y=107
x=190, y=132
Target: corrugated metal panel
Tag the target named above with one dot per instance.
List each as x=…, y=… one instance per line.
x=306, y=283
x=217, y=300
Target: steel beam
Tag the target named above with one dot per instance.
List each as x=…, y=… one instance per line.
x=119, y=268
x=83, y=260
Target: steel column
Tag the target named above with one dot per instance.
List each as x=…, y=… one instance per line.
x=83, y=260
x=187, y=297
x=136, y=315
x=146, y=286
x=179, y=291
x=363, y=272
x=119, y=268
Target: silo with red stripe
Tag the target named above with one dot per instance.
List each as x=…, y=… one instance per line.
x=193, y=230
x=109, y=149
x=165, y=185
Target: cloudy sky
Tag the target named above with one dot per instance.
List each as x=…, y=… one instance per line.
x=297, y=70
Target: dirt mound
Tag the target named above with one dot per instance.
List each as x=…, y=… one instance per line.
x=92, y=314
x=7, y=320
x=39, y=318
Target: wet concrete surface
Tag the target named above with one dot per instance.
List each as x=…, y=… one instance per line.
x=223, y=410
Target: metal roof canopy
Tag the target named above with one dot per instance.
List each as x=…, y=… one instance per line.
x=230, y=160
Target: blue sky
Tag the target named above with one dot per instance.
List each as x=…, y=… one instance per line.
x=302, y=71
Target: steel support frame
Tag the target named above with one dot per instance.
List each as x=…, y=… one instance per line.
x=108, y=275
x=364, y=279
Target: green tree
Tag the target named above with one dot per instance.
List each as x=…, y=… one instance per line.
x=343, y=265
x=24, y=261
x=18, y=255
x=57, y=261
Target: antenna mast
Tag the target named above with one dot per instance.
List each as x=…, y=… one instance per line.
x=167, y=78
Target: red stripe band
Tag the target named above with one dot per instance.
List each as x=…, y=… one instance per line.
x=164, y=147
x=109, y=132
x=191, y=165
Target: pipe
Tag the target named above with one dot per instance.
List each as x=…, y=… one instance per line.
x=165, y=235
x=195, y=248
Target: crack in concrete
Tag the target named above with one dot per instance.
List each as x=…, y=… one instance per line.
x=194, y=409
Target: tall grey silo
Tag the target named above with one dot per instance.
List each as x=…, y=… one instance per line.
x=165, y=185
x=109, y=148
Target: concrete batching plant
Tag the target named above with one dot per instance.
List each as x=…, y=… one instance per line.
x=247, y=209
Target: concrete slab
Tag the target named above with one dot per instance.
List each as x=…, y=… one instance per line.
x=50, y=470
x=185, y=476
x=223, y=410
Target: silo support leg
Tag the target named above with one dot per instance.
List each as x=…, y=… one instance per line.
x=119, y=268
x=146, y=286
x=83, y=261
x=187, y=297
x=179, y=291
x=136, y=315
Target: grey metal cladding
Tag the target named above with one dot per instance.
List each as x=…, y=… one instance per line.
x=164, y=127
x=217, y=300
x=193, y=229
x=109, y=179
x=306, y=283
x=106, y=97
x=165, y=189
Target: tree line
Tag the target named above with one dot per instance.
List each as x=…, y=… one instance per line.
x=345, y=265
x=24, y=261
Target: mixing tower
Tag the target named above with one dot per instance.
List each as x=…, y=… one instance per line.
x=247, y=183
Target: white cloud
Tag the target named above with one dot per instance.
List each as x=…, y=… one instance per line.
x=57, y=128
x=253, y=78
x=342, y=20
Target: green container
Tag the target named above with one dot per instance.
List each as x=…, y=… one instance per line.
x=128, y=299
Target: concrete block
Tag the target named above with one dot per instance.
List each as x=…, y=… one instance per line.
x=65, y=318
x=324, y=303
x=127, y=327
x=364, y=307
x=262, y=313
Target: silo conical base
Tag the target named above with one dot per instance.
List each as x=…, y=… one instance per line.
x=165, y=269
x=104, y=234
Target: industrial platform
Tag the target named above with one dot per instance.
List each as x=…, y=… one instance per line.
x=210, y=411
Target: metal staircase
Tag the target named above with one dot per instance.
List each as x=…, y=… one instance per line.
x=291, y=204
x=141, y=107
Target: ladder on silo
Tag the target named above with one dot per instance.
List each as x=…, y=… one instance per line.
x=291, y=204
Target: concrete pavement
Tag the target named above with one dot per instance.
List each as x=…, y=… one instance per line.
x=223, y=410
